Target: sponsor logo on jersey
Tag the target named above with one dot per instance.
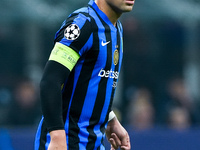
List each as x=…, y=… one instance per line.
x=72, y=32
x=108, y=74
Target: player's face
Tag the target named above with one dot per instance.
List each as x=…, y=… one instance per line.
x=121, y=6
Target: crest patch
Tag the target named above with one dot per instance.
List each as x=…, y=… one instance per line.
x=116, y=57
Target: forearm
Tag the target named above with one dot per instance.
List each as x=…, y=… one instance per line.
x=113, y=123
x=51, y=95
x=58, y=140
x=117, y=135
x=58, y=135
x=51, y=105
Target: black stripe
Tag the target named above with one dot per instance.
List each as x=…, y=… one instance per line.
x=79, y=96
x=96, y=114
x=43, y=137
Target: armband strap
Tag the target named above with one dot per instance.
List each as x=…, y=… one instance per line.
x=111, y=116
x=64, y=55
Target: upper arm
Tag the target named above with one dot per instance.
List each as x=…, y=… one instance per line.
x=76, y=33
x=64, y=55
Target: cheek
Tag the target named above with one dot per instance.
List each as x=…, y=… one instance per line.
x=123, y=7
x=115, y=4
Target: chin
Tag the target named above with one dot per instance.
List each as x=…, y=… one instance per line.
x=128, y=9
x=123, y=9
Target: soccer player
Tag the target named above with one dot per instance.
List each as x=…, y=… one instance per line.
x=80, y=78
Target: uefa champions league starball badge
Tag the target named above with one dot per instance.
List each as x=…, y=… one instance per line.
x=72, y=32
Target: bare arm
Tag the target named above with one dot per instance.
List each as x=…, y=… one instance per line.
x=58, y=140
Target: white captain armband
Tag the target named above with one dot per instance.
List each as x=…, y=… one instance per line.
x=111, y=116
x=64, y=55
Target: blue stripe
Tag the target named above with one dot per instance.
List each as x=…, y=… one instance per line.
x=87, y=46
x=38, y=134
x=102, y=147
x=48, y=141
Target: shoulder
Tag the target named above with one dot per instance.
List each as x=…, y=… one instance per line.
x=81, y=18
x=80, y=15
x=76, y=30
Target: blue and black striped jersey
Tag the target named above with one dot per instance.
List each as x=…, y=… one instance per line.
x=88, y=92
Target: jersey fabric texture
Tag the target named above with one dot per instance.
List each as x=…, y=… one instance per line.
x=88, y=92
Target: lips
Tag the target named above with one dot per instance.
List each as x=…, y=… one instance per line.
x=130, y=2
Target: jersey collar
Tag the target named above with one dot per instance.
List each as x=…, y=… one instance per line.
x=101, y=13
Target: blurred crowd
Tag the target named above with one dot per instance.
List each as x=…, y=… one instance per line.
x=176, y=109
x=154, y=92
x=20, y=107
x=155, y=89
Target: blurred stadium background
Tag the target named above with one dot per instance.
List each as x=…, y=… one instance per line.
x=158, y=96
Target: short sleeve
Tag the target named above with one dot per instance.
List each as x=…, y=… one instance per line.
x=77, y=33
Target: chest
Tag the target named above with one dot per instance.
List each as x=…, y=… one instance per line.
x=108, y=44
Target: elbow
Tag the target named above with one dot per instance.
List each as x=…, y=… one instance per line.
x=46, y=86
x=43, y=84
x=43, y=87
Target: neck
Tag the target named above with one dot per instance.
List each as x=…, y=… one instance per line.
x=110, y=13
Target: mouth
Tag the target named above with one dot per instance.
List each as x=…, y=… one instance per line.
x=130, y=2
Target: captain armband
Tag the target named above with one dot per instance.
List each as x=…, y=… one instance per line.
x=111, y=116
x=64, y=55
